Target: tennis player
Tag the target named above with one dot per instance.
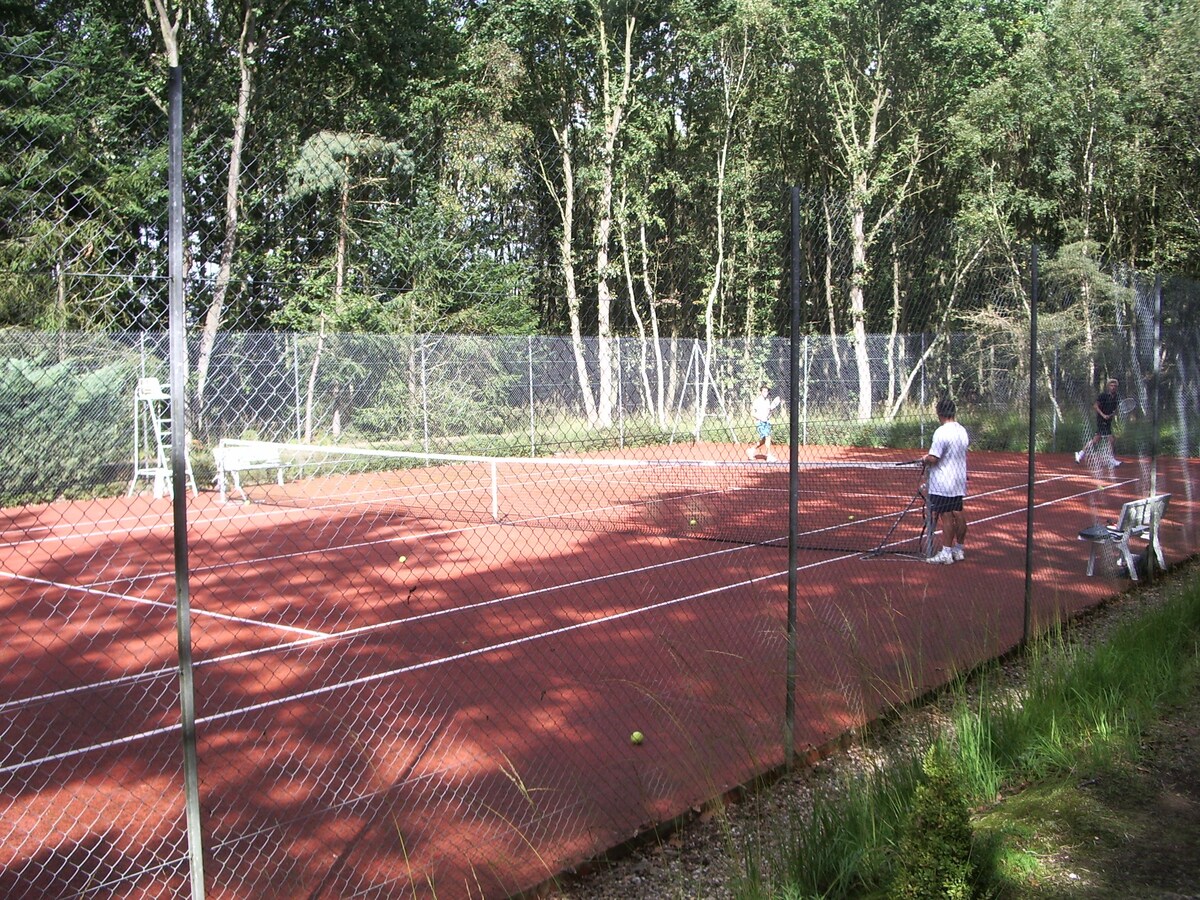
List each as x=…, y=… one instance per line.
x=761, y=408
x=947, y=482
x=1106, y=410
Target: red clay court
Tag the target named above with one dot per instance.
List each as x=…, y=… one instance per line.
x=434, y=697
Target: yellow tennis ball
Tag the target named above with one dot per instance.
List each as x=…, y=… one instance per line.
x=403, y=559
x=851, y=516
x=636, y=738
x=692, y=522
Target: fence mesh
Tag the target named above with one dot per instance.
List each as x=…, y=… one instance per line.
x=392, y=701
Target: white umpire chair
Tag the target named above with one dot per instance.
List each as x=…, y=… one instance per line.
x=152, y=439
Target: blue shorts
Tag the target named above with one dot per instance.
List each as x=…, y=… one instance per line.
x=764, y=430
x=939, y=504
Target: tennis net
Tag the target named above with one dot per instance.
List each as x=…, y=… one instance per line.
x=866, y=506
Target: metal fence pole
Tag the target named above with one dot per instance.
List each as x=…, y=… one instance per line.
x=620, y=400
x=179, y=361
x=1156, y=369
x=296, y=385
x=789, y=711
x=1054, y=404
x=1026, y=632
x=532, y=420
x=805, y=392
x=923, y=362
x=424, y=401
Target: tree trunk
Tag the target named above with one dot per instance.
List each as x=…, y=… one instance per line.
x=614, y=110
x=566, y=210
x=829, y=304
x=858, y=277
x=894, y=330
x=310, y=397
x=733, y=83
x=212, y=321
x=655, y=335
x=647, y=395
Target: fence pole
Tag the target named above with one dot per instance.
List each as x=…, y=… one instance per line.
x=424, y=401
x=620, y=401
x=532, y=420
x=923, y=362
x=296, y=385
x=179, y=480
x=789, y=711
x=1054, y=404
x=805, y=368
x=1032, y=424
x=1156, y=369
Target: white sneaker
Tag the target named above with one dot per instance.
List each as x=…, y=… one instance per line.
x=942, y=558
x=749, y=453
x=1079, y=457
x=1116, y=462
x=957, y=553
x=771, y=458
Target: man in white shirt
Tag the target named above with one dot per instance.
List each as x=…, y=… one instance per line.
x=761, y=408
x=947, y=482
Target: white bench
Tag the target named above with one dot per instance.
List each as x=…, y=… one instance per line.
x=1138, y=519
x=234, y=458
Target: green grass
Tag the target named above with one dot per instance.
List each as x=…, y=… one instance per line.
x=1078, y=709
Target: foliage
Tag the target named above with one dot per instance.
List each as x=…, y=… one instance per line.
x=934, y=854
x=399, y=168
x=81, y=413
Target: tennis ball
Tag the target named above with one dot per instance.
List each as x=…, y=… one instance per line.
x=691, y=521
x=403, y=559
x=851, y=516
x=636, y=738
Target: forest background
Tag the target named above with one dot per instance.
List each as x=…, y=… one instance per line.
x=593, y=168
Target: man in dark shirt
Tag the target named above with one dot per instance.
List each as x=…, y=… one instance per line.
x=1106, y=410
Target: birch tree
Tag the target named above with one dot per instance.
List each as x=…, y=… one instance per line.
x=613, y=103
x=876, y=151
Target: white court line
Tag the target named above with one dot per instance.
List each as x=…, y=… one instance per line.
x=503, y=645
x=402, y=670
x=318, y=637
x=143, y=601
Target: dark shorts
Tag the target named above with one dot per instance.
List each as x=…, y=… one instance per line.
x=939, y=504
x=1103, y=426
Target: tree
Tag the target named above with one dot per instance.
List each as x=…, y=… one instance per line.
x=337, y=163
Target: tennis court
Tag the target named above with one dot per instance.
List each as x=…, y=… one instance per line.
x=424, y=680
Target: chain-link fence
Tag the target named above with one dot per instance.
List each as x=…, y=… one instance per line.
x=456, y=571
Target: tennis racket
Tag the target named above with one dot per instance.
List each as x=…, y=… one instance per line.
x=1126, y=406
x=918, y=496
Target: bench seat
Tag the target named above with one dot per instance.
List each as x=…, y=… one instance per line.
x=1138, y=519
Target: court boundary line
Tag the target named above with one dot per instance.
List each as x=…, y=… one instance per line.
x=92, y=590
